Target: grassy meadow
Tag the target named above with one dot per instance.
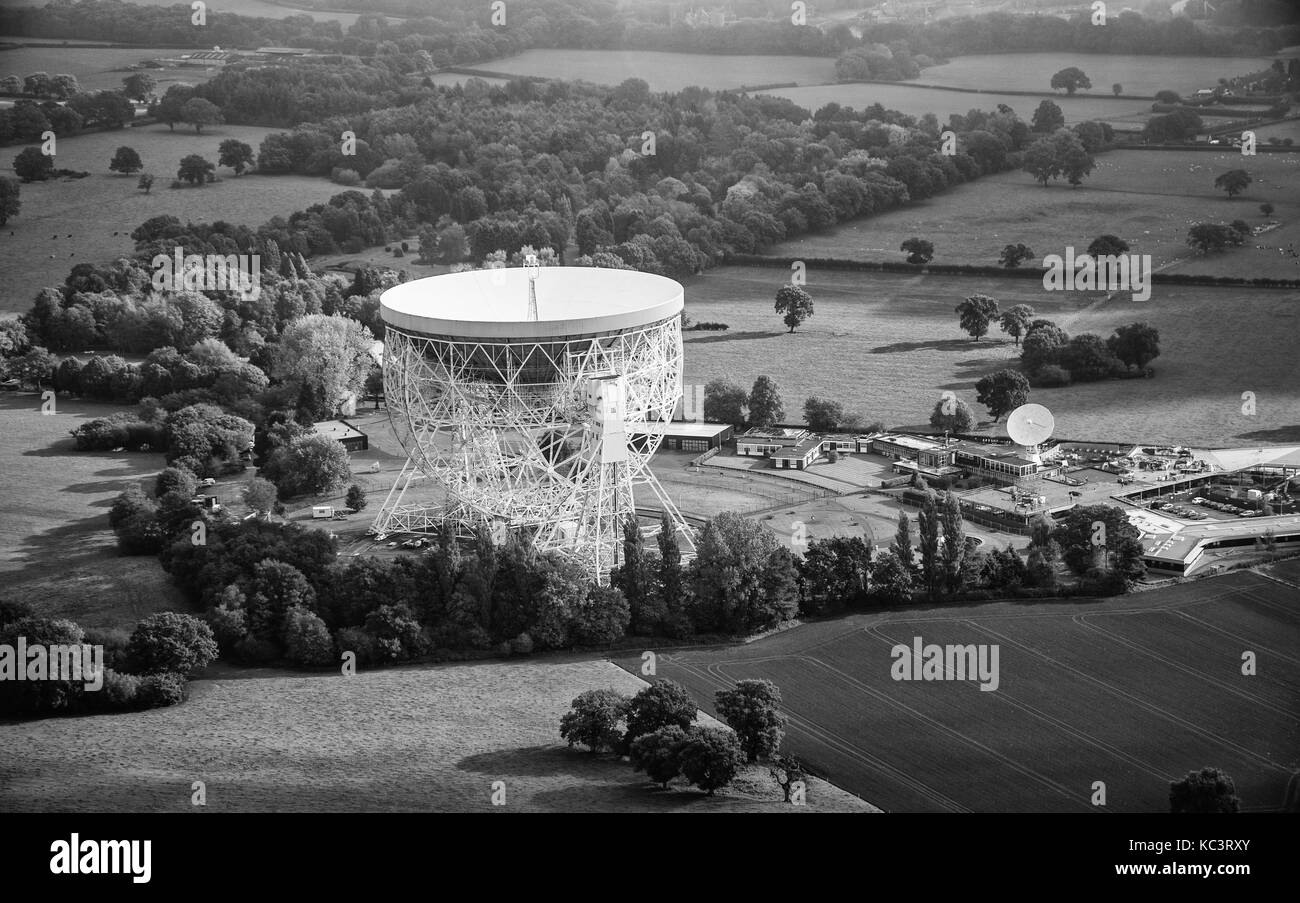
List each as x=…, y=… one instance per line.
x=1143, y=75
x=886, y=345
x=92, y=209
x=413, y=739
x=667, y=71
x=99, y=68
x=1148, y=198
x=56, y=548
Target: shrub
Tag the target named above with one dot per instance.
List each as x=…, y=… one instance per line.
x=356, y=498
x=229, y=622
x=395, y=632
x=522, y=644
x=710, y=757
x=175, y=479
x=120, y=693
x=171, y=642
x=256, y=650
x=13, y=609
x=1050, y=376
x=113, y=639
x=158, y=691
x=659, y=705
x=658, y=754
x=40, y=696
x=306, y=639
x=593, y=720
x=343, y=176
x=356, y=640
x=602, y=618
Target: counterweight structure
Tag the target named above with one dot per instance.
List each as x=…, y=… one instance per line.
x=521, y=395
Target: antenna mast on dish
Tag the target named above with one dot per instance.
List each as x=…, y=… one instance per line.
x=532, y=267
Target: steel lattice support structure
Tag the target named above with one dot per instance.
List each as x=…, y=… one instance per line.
x=540, y=433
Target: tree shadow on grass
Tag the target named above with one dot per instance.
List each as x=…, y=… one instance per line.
x=733, y=336
x=930, y=345
x=1279, y=434
x=541, y=761
x=633, y=795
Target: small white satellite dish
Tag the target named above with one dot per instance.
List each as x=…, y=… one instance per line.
x=1030, y=425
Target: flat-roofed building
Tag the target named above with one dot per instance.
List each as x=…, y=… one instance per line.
x=681, y=435
x=800, y=456
x=767, y=442
x=344, y=433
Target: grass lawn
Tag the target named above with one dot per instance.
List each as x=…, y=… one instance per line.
x=92, y=209
x=1138, y=74
x=100, y=68
x=1147, y=198
x=56, y=549
x=666, y=71
x=916, y=101
x=412, y=739
x=887, y=345
x=1133, y=691
x=263, y=8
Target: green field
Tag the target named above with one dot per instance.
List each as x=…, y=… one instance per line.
x=917, y=101
x=1133, y=692
x=1144, y=75
x=93, y=208
x=1148, y=198
x=667, y=71
x=56, y=548
x=886, y=346
x=413, y=739
x=97, y=68
x=262, y=8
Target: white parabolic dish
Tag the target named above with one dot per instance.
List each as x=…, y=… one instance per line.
x=493, y=304
x=1030, y=424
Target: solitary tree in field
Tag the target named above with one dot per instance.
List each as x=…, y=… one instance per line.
x=1014, y=255
x=919, y=251
x=765, y=403
x=356, y=498
x=1015, y=321
x=1209, y=790
x=125, y=160
x=1266, y=209
x=199, y=112
x=1071, y=79
x=235, y=154
x=975, y=313
x=33, y=166
x=1002, y=392
x=146, y=182
x=1117, y=89
x=1207, y=237
x=10, y=203
x=1234, y=181
x=194, y=169
x=795, y=303
x=1107, y=246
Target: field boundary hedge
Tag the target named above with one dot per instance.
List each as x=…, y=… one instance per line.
x=963, y=269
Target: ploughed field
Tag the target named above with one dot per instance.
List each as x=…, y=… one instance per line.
x=1133, y=692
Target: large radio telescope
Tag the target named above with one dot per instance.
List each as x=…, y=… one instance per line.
x=521, y=394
